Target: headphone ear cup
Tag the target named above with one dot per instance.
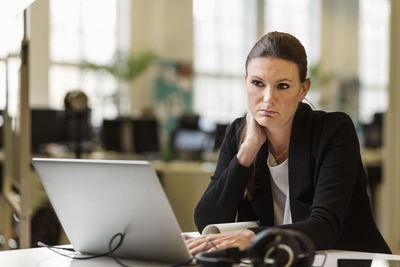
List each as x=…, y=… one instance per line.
x=272, y=246
x=256, y=249
x=306, y=254
x=282, y=247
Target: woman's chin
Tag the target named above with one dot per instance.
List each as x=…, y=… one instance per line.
x=266, y=121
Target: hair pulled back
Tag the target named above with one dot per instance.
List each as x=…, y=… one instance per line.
x=283, y=46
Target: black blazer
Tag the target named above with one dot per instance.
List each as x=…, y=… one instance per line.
x=327, y=185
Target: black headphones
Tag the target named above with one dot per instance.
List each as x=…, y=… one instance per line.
x=271, y=247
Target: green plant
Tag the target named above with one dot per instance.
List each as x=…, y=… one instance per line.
x=318, y=77
x=123, y=66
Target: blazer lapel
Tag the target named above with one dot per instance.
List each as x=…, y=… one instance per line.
x=300, y=178
x=262, y=196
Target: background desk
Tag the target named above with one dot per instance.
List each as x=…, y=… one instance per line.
x=184, y=183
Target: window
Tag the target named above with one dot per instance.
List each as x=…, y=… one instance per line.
x=301, y=18
x=10, y=44
x=77, y=27
x=223, y=35
x=225, y=31
x=374, y=57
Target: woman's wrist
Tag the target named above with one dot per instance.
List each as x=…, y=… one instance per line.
x=246, y=154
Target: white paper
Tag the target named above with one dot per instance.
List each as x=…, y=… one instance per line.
x=226, y=227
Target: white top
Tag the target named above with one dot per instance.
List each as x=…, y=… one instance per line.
x=280, y=190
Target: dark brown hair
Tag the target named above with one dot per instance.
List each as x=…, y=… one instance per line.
x=283, y=46
x=276, y=45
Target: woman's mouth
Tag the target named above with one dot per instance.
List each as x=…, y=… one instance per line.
x=268, y=112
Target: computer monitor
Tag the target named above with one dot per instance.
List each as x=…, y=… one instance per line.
x=112, y=135
x=145, y=135
x=55, y=126
x=47, y=126
x=134, y=135
x=77, y=126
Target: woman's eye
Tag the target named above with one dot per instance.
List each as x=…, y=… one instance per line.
x=283, y=86
x=257, y=83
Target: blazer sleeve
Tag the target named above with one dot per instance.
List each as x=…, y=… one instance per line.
x=335, y=174
x=220, y=201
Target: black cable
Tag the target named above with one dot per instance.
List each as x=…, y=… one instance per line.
x=110, y=251
x=117, y=260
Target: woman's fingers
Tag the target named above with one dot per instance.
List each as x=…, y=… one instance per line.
x=202, y=243
x=240, y=239
x=254, y=130
x=187, y=237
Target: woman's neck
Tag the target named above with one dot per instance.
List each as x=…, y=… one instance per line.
x=278, y=139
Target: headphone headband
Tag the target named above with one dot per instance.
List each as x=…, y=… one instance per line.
x=220, y=257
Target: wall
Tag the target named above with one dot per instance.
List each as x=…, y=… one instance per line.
x=39, y=53
x=389, y=206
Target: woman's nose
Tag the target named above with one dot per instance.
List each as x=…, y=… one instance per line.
x=269, y=95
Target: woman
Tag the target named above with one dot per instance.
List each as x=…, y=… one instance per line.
x=286, y=165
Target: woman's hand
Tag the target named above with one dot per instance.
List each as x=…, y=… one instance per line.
x=254, y=139
x=240, y=239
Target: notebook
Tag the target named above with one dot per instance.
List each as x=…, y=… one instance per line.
x=96, y=199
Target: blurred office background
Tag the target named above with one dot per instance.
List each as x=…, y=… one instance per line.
x=161, y=79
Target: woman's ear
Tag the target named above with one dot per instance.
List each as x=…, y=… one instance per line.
x=305, y=86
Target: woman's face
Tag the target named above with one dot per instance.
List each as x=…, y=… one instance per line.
x=274, y=91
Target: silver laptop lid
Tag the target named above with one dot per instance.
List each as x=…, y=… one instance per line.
x=96, y=199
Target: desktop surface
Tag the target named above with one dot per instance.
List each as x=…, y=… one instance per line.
x=43, y=257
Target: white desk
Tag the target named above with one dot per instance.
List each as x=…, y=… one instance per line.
x=42, y=257
x=333, y=256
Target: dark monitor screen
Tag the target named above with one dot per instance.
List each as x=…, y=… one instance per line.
x=77, y=126
x=47, y=126
x=53, y=126
x=131, y=135
x=112, y=135
x=50, y=126
x=145, y=135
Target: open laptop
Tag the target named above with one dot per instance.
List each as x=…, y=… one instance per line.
x=96, y=199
